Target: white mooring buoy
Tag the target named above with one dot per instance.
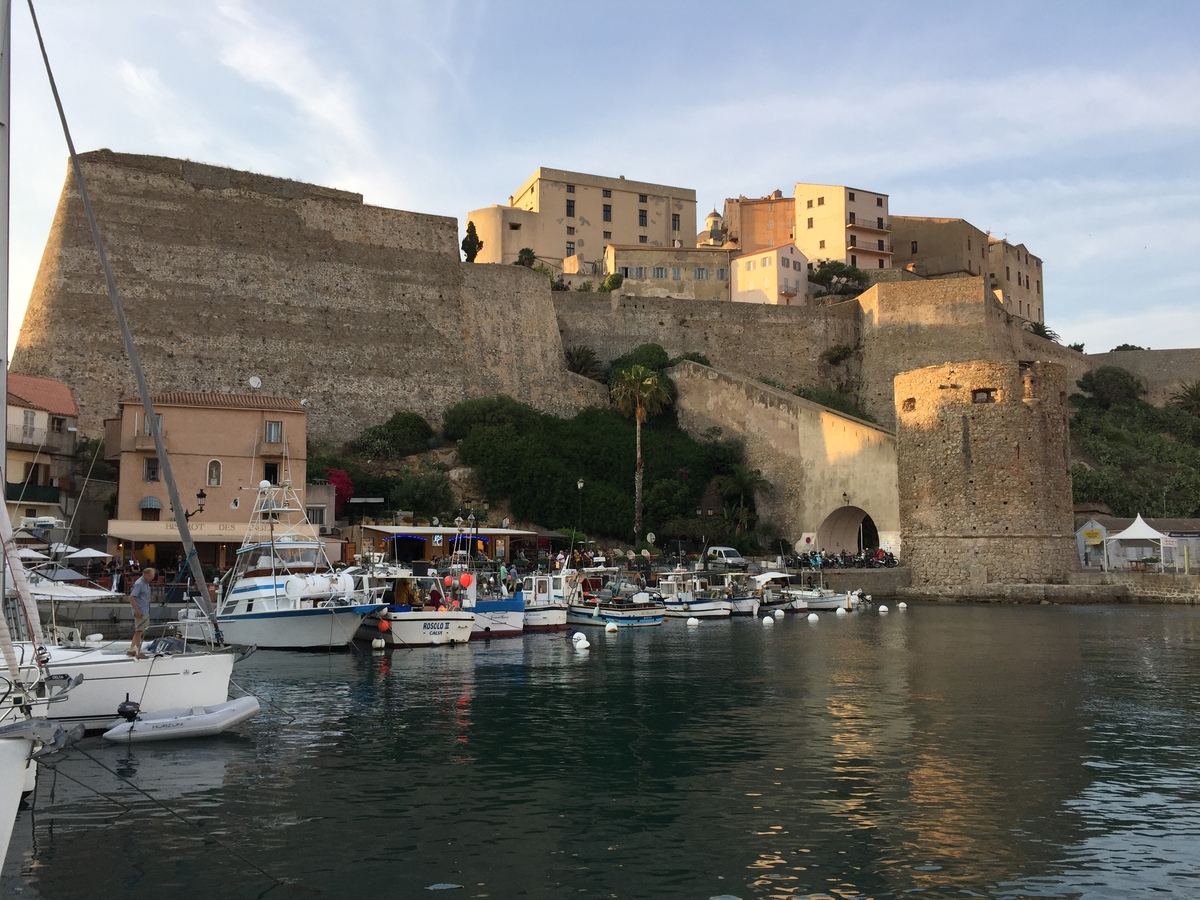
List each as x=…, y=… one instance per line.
x=378, y=644
x=693, y=621
x=610, y=627
x=779, y=613
x=812, y=617
x=582, y=645
x=883, y=610
x=902, y=605
x=578, y=636
x=767, y=620
x=841, y=611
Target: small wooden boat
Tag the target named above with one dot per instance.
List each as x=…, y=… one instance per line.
x=199, y=721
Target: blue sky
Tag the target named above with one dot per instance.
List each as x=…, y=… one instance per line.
x=1073, y=127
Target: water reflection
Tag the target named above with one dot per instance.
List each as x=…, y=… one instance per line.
x=945, y=751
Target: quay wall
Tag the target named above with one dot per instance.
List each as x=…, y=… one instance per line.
x=226, y=275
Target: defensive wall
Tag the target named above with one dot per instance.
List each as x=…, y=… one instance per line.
x=226, y=275
x=828, y=471
x=986, y=492
x=1161, y=371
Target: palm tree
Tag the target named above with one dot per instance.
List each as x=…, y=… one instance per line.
x=1041, y=329
x=1187, y=398
x=638, y=392
x=744, y=484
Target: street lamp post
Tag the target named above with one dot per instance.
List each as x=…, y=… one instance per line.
x=200, y=498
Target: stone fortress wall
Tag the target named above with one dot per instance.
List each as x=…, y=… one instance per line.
x=226, y=275
x=985, y=495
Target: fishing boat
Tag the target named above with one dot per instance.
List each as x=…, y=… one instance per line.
x=283, y=593
x=681, y=599
x=496, y=615
x=622, y=603
x=545, y=601
x=781, y=591
x=415, y=612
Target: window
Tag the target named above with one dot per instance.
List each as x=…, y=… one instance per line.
x=909, y=404
x=879, y=222
x=315, y=515
x=570, y=229
x=749, y=265
x=881, y=264
x=676, y=273
x=674, y=221
x=642, y=218
x=810, y=204
x=607, y=192
x=770, y=224
x=660, y=272
x=853, y=260
x=880, y=243
x=810, y=267
x=785, y=262
x=1039, y=286
x=151, y=515
x=570, y=188
x=851, y=195
x=853, y=219
x=514, y=226
x=608, y=235
x=150, y=469
x=810, y=222
x=271, y=472
x=820, y=201
x=968, y=243
x=214, y=473
x=822, y=247
x=274, y=432
x=570, y=209
x=766, y=262
x=879, y=201
x=624, y=270
x=983, y=395
x=1007, y=274
x=700, y=274
x=642, y=239
x=146, y=424
x=570, y=248
x=641, y=198
x=607, y=215
x=57, y=424
x=722, y=274
x=639, y=272
x=854, y=240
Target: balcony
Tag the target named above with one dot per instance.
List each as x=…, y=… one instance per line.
x=866, y=224
x=20, y=437
x=872, y=247
x=142, y=441
x=31, y=493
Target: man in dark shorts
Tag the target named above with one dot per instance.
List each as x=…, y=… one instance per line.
x=139, y=599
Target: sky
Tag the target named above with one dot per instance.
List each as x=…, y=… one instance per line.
x=1071, y=127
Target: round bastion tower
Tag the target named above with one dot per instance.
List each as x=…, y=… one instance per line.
x=985, y=484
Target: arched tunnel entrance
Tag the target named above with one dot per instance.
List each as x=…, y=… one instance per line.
x=848, y=528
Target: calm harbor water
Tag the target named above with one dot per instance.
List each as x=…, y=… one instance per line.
x=944, y=751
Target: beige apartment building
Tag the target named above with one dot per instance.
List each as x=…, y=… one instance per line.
x=681, y=273
x=776, y=275
x=1015, y=277
x=850, y=225
x=221, y=446
x=560, y=214
x=40, y=435
x=758, y=224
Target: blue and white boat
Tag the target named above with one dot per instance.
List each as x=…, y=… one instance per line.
x=282, y=593
x=621, y=603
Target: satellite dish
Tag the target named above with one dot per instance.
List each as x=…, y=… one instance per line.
x=234, y=504
x=436, y=522
x=650, y=538
x=646, y=553
x=255, y=382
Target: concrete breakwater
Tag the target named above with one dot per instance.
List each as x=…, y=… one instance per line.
x=1080, y=588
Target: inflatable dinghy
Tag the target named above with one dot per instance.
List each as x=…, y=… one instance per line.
x=200, y=721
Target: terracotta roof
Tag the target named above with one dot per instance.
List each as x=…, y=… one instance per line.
x=769, y=249
x=225, y=401
x=1119, y=523
x=41, y=393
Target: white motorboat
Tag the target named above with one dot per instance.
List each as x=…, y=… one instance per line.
x=682, y=601
x=282, y=593
x=545, y=601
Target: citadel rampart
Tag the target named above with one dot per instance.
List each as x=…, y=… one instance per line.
x=227, y=275
x=985, y=494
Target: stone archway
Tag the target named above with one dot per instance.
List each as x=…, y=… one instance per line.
x=848, y=528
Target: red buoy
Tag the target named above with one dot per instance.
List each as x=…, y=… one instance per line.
x=384, y=625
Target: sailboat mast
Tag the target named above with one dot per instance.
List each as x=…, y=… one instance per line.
x=5, y=141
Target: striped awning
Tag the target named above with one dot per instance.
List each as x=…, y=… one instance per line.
x=150, y=503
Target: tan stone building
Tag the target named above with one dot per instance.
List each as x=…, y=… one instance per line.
x=1015, y=277
x=850, y=225
x=756, y=224
x=776, y=275
x=681, y=273
x=560, y=214
x=939, y=248
x=221, y=447
x=40, y=442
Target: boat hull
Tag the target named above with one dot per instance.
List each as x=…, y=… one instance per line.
x=546, y=618
x=700, y=609
x=623, y=616
x=319, y=628
x=418, y=627
x=498, y=618
x=168, y=681
x=14, y=763
x=744, y=606
x=190, y=722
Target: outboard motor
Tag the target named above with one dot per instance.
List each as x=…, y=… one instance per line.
x=128, y=709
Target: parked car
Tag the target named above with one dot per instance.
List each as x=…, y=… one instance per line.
x=727, y=557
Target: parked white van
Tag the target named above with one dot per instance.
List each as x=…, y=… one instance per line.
x=726, y=556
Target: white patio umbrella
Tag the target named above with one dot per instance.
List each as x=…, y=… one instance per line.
x=30, y=553
x=87, y=553
x=62, y=549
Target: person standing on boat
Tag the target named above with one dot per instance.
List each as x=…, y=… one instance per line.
x=139, y=599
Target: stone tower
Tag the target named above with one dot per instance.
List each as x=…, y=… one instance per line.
x=985, y=485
